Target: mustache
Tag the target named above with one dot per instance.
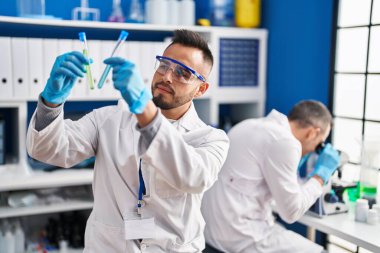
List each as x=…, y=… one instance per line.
x=164, y=85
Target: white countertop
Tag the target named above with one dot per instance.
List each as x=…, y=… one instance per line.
x=344, y=226
x=19, y=177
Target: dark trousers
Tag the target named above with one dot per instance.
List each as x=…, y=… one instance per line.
x=210, y=249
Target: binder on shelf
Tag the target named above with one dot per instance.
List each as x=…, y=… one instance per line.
x=50, y=52
x=2, y=140
x=133, y=52
x=95, y=52
x=6, y=77
x=122, y=51
x=158, y=49
x=147, y=56
x=64, y=46
x=36, y=80
x=108, y=90
x=80, y=89
x=20, y=67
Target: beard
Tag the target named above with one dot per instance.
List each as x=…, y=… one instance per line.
x=164, y=103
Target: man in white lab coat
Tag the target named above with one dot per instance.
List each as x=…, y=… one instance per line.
x=154, y=157
x=261, y=166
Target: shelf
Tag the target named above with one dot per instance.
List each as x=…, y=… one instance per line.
x=16, y=177
x=358, y=233
x=111, y=25
x=72, y=205
x=239, y=94
x=96, y=24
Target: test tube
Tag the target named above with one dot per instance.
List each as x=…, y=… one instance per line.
x=82, y=38
x=122, y=37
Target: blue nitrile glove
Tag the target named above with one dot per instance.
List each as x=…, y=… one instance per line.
x=128, y=81
x=65, y=72
x=327, y=163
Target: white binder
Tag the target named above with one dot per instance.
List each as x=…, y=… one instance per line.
x=20, y=67
x=65, y=46
x=6, y=77
x=36, y=80
x=50, y=52
x=159, y=48
x=122, y=51
x=94, y=47
x=147, y=62
x=135, y=54
x=80, y=89
x=108, y=89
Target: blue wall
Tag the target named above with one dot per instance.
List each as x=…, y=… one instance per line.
x=298, y=51
x=299, y=47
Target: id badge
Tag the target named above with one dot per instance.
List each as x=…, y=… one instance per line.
x=137, y=227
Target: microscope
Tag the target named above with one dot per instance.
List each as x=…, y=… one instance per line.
x=331, y=200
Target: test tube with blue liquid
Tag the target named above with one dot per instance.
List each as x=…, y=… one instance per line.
x=82, y=38
x=122, y=37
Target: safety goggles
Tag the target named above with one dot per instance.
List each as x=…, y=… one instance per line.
x=181, y=72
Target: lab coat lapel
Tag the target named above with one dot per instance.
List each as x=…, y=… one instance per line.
x=279, y=118
x=189, y=120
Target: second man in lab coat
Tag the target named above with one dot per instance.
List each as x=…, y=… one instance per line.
x=262, y=166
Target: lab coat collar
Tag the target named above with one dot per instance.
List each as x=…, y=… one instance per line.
x=190, y=119
x=279, y=118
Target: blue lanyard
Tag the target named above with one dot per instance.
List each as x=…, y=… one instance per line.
x=141, y=187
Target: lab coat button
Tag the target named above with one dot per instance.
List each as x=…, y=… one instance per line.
x=231, y=179
x=143, y=246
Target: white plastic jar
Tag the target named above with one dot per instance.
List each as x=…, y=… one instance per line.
x=361, y=210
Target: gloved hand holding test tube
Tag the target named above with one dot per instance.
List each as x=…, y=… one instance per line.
x=90, y=80
x=122, y=37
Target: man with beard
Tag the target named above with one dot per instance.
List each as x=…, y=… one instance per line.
x=154, y=158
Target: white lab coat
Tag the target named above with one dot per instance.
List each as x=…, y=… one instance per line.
x=261, y=166
x=182, y=161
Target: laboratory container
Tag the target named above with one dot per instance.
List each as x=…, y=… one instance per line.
x=31, y=8
x=370, y=164
x=247, y=13
x=222, y=13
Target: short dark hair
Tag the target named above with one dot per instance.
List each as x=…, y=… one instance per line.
x=193, y=39
x=311, y=113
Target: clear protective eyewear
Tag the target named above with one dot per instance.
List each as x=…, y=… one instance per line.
x=181, y=72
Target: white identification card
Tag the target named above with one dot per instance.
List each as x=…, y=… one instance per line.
x=136, y=227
